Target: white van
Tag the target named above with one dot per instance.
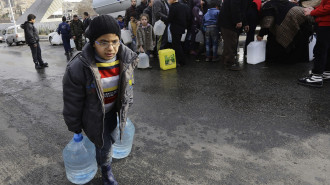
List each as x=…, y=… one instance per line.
x=14, y=36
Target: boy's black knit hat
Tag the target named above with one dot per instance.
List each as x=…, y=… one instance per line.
x=100, y=25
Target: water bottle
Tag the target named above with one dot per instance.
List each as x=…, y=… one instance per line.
x=79, y=160
x=122, y=148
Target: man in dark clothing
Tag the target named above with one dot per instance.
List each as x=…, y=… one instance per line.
x=32, y=39
x=232, y=18
x=178, y=19
x=77, y=30
x=148, y=10
x=129, y=12
x=64, y=30
x=86, y=21
x=141, y=7
x=160, y=10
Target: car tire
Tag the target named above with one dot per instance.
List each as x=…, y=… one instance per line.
x=9, y=44
x=50, y=41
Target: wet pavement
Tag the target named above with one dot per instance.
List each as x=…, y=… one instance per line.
x=199, y=124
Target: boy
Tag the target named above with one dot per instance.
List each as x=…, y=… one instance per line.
x=97, y=85
x=121, y=22
x=64, y=30
x=211, y=31
x=32, y=39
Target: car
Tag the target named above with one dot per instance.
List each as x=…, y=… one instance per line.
x=1, y=38
x=54, y=38
x=13, y=35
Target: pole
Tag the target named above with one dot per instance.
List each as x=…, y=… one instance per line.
x=12, y=15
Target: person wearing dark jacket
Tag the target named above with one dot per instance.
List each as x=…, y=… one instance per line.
x=32, y=39
x=86, y=21
x=98, y=85
x=148, y=10
x=140, y=8
x=64, y=30
x=178, y=19
x=232, y=18
x=160, y=10
x=321, y=70
x=129, y=12
x=77, y=30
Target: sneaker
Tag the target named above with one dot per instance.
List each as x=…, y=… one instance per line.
x=45, y=64
x=235, y=67
x=312, y=80
x=37, y=66
x=326, y=76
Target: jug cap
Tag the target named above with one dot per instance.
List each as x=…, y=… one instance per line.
x=77, y=137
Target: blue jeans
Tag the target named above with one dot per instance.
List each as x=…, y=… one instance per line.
x=104, y=155
x=211, y=41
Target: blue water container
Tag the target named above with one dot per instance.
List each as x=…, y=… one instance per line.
x=79, y=160
x=121, y=149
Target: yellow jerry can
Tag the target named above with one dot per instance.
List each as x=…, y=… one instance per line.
x=167, y=59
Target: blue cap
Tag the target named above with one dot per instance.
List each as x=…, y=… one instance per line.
x=77, y=137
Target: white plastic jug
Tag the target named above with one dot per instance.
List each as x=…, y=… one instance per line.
x=159, y=27
x=126, y=36
x=144, y=61
x=256, y=52
x=312, y=42
x=183, y=37
x=200, y=37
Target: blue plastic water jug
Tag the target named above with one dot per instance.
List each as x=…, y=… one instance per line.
x=79, y=160
x=121, y=149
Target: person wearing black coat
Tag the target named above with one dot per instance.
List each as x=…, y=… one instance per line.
x=232, y=18
x=178, y=20
x=32, y=39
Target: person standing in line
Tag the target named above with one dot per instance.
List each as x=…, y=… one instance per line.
x=64, y=30
x=132, y=27
x=160, y=10
x=98, y=85
x=196, y=25
x=178, y=20
x=120, y=22
x=32, y=39
x=252, y=16
x=211, y=32
x=232, y=18
x=129, y=12
x=146, y=39
x=77, y=30
x=148, y=10
x=141, y=7
x=321, y=70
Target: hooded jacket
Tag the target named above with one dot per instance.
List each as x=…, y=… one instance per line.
x=30, y=32
x=83, y=94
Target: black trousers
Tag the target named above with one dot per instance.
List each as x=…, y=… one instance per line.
x=66, y=43
x=322, y=50
x=252, y=17
x=176, y=44
x=36, y=54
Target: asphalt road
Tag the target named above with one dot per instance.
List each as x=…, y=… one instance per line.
x=199, y=124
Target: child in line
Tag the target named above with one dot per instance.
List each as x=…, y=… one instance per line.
x=211, y=32
x=146, y=38
x=132, y=26
x=121, y=22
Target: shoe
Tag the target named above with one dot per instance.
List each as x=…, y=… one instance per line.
x=312, y=80
x=326, y=76
x=45, y=64
x=37, y=66
x=107, y=176
x=207, y=59
x=235, y=67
